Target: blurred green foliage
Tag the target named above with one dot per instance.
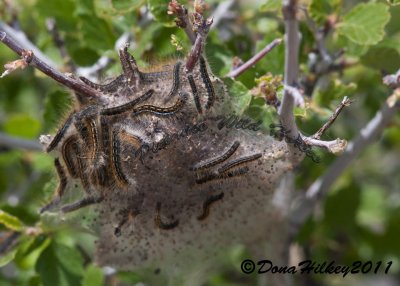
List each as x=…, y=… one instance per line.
x=359, y=220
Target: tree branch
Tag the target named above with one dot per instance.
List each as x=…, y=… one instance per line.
x=90, y=72
x=34, y=61
x=319, y=189
x=19, y=143
x=292, y=43
x=21, y=38
x=251, y=62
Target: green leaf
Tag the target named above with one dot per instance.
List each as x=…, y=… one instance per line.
x=84, y=56
x=126, y=6
x=22, y=125
x=60, y=10
x=300, y=111
x=389, y=242
x=267, y=25
x=393, y=27
x=372, y=210
x=70, y=259
x=341, y=208
x=385, y=56
x=96, y=33
x=382, y=58
x=307, y=229
x=393, y=2
x=93, y=276
x=48, y=267
x=34, y=281
x=219, y=58
x=10, y=221
x=352, y=49
x=42, y=162
x=108, y=8
x=91, y=27
x=334, y=90
x=60, y=265
x=274, y=61
x=320, y=10
x=271, y=6
x=241, y=95
x=365, y=23
x=160, y=43
x=8, y=257
x=29, y=251
x=258, y=110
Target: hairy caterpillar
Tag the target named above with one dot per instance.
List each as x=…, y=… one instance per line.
x=219, y=159
x=207, y=204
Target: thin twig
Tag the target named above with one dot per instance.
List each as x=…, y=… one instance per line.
x=345, y=102
x=251, y=62
x=19, y=143
x=34, y=61
x=320, y=188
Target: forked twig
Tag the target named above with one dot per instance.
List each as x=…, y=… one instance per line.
x=320, y=188
x=345, y=102
x=285, y=111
